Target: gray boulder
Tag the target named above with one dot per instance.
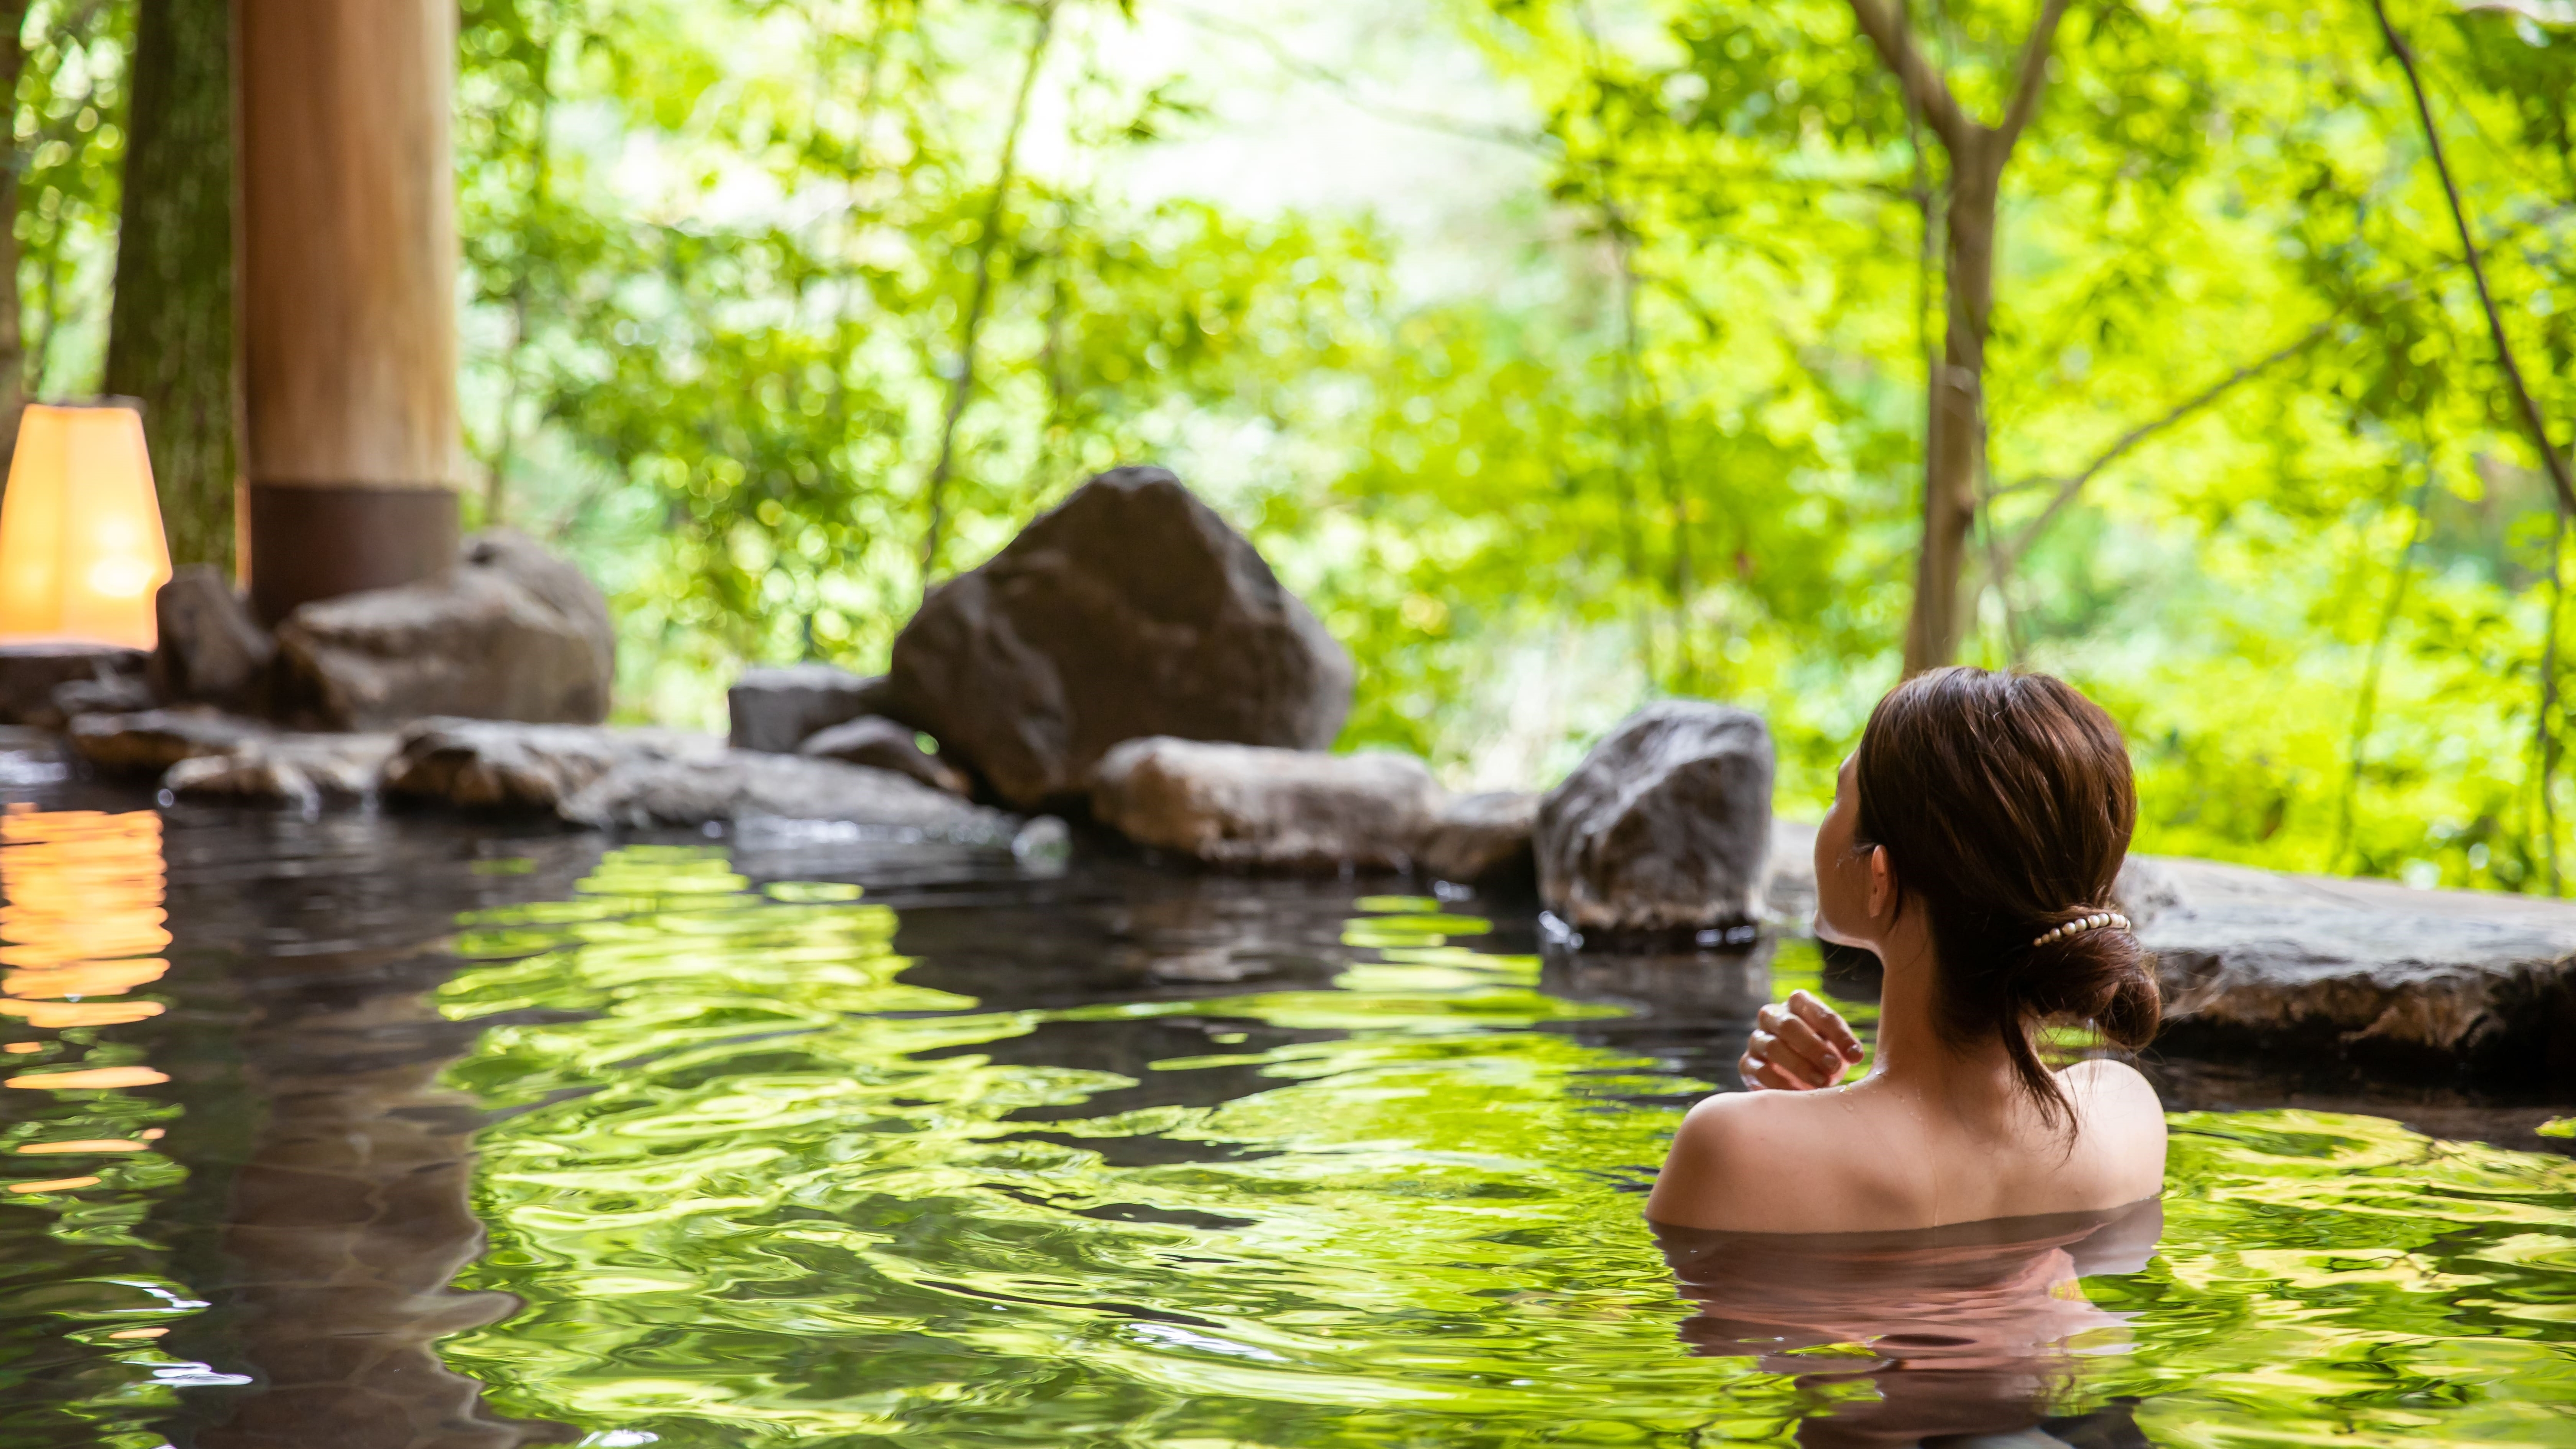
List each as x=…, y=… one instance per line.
x=2368, y=973
x=30, y=675
x=1481, y=838
x=779, y=708
x=151, y=741
x=513, y=633
x=212, y=651
x=881, y=744
x=1130, y=610
x=1665, y=826
x=1242, y=805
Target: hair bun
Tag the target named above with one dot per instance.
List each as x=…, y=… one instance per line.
x=2094, y=972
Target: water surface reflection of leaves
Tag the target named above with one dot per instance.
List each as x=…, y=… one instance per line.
x=767, y=1190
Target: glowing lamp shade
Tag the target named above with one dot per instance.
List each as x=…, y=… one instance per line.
x=81, y=550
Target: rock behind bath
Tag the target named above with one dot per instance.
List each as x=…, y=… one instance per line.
x=512, y=633
x=1130, y=610
x=881, y=744
x=1482, y=840
x=148, y=742
x=1248, y=806
x=31, y=674
x=211, y=650
x=779, y=707
x=597, y=777
x=2392, y=981
x=1664, y=826
x=304, y=771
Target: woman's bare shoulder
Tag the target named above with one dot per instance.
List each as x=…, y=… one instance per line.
x=2102, y=1085
x=1731, y=1164
x=2122, y=1123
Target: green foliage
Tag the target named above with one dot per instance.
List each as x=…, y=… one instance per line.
x=2206, y=190
x=69, y=152
x=720, y=260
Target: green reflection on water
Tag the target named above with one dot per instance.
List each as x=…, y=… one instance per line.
x=771, y=1193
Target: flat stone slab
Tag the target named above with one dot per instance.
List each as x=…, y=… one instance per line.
x=596, y=776
x=304, y=770
x=2383, y=977
x=494, y=765
x=755, y=785
x=149, y=742
x=1263, y=808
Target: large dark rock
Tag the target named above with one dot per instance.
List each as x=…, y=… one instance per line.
x=881, y=744
x=212, y=651
x=30, y=674
x=1131, y=610
x=513, y=633
x=778, y=708
x=1242, y=805
x=2368, y=974
x=1665, y=826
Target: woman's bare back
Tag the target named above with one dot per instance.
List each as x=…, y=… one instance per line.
x=1882, y=1154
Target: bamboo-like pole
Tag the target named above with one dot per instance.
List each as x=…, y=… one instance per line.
x=347, y=272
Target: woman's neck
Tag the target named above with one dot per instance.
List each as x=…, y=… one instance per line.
x=1911, y=1054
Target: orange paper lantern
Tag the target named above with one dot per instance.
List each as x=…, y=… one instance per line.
x=81, y=548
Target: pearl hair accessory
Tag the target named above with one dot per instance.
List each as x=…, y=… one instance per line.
x=2112, y=919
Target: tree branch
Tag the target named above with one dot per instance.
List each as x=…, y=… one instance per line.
x=2066, y=491
x=978, y=299
x=2032, y=78
x=1895, y=44
x=2522, y=400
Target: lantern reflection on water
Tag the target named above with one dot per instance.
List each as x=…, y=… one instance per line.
x=83, y=893
x=80, y=904
x=81, y=547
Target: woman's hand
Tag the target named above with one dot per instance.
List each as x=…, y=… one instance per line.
x=1798, y=1045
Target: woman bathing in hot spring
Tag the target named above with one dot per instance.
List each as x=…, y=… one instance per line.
x=1972, y=844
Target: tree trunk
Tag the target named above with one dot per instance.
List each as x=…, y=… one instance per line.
x=13, y=347
x=1954, y=451
x=170, y=333
x=1955, y=448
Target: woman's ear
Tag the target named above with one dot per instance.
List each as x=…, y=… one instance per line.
x=1882, y=884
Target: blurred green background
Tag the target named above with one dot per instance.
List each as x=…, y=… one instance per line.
x=1562, y=354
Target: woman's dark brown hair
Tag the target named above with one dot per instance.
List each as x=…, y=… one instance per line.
x=2005, y=805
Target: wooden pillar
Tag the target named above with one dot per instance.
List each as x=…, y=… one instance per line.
x=347, y=272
